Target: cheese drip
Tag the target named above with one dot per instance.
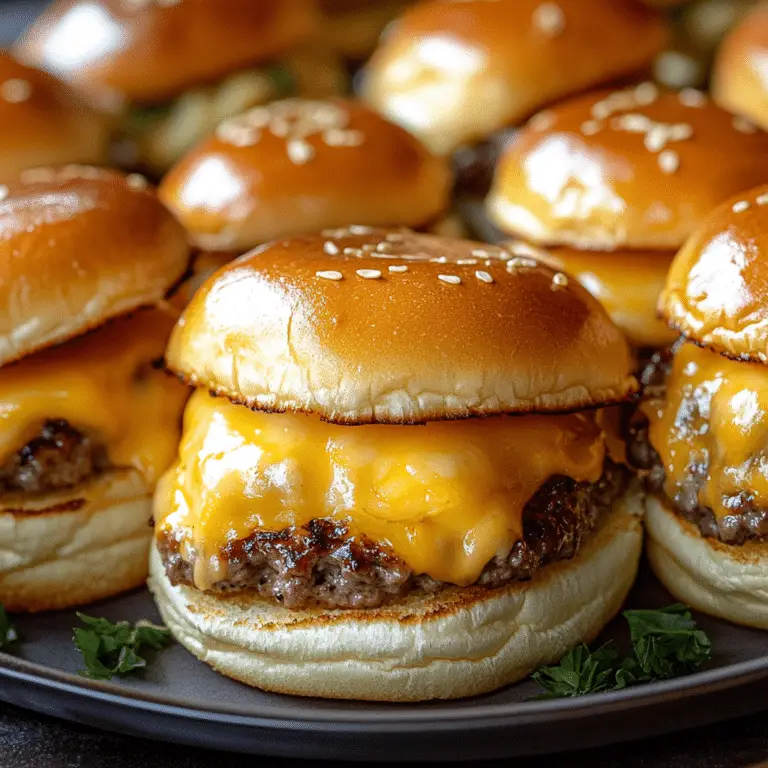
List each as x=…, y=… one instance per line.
x=446, y=497
x=715, y=416
x=103, y=384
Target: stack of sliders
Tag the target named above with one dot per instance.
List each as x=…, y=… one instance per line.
x=89, y=422
x=615, y=181
x=399, y=490
x=708, y=419
x=460, y=74
x=174, y=70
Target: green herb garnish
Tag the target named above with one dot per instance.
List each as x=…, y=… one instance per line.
x=666, y=643
x=8, y=633
x=113, y=649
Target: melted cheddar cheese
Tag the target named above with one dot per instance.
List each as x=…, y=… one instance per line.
x=715, y=416
x=103, y=384
x=446, y=497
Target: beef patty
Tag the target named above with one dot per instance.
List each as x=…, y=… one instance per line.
x=322, y=564
x=745, y=522
x=58, y=457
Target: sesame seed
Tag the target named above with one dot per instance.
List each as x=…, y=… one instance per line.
x=646, y=93
x=669, y=161
x=521, y=261
x=15, y=90
x=136, y=181
x=483, y=277
x=632, y=122
x=395, y=237
x=741, y=206
x=450, y=279
x=439, y=260
x=353, y=252
x=762, y=199
x=542, y=121
x=399, y=268
x=331, y=248
x=369, y=274
x=656, y=138
x=337, y=137
x=522, y=249
x=742, y=125
x=466, y=262
x=329, y=274
x=590, y=127
x=482, y=253
x=3, y=192
x=360, y=229
x=559, y=280
x=600, y=110
x=692, y=97
x=299, y=151
x=384, y=248
x=549, y=19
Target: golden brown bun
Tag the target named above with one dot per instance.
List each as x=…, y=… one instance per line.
x=626, y=283
x=45, y=122
x=625, y=169
x=149, y=51
x=740, y=78
x=340, y=162
x=456, y=72
x=456, y=643
x=79, y=246
x=278, y=330
x=717, y=289
x=74, y=547
x=723, y=580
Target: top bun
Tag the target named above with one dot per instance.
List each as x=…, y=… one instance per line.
x=717, y=288
x=364, y=325
x=456, y=72
x=45, y=122
x=739, y=79
x=152, y=50
x=300, y=166
x=633, y=169
x=80, y=246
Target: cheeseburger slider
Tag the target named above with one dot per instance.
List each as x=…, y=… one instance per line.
x=456, y=73
x=88, y=421
x=336, y=525
x=705, y=446
x=175, y=68
x=615, y=181
x=45, y=122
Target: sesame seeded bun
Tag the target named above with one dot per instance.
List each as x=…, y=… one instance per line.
x=457, y=72
x=636, y=168
x=717, y=289
x=80, y=245
x=300, y=166
x=45, y=122
x=152, y=50
x=739, y=79
x=719, y=579
x=365, y=326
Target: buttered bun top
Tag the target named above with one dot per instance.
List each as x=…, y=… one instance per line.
x=299, y=166
x=717, y=289
x=634, y=168
x=740, y=76
x=454, y=72
x=152, y=50
x=360, y=325
x=45, y=122
x=80, y=246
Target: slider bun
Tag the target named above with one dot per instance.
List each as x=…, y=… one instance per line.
x=80, y=246
x=339, y=162
x=272, y=331
x=579, y=176
x=723, y=580
x=456, y=72
x=717, y=289
x=45, y=122
x=739, y=78
x=151, y=51
x=460, y=642
x=74, y=547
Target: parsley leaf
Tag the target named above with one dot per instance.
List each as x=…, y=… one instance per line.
x=580, y=671
x=113, y=649
x=8, y=633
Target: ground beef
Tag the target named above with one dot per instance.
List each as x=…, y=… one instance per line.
x=323, y=565
x=746, y=521
x=59, y=457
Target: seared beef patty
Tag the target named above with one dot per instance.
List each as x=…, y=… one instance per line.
x=744, y=523
x=323, y=565
x=59, y=457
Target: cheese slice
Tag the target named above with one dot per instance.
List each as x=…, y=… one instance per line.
x=104, y=384
x=446, y=497
x=715, y=415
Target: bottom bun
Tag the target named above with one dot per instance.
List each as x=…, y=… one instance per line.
x=722, y=580
x=73, y=547
x=459, y=642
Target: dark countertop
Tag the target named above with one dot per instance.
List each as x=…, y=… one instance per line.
x=28, y=740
